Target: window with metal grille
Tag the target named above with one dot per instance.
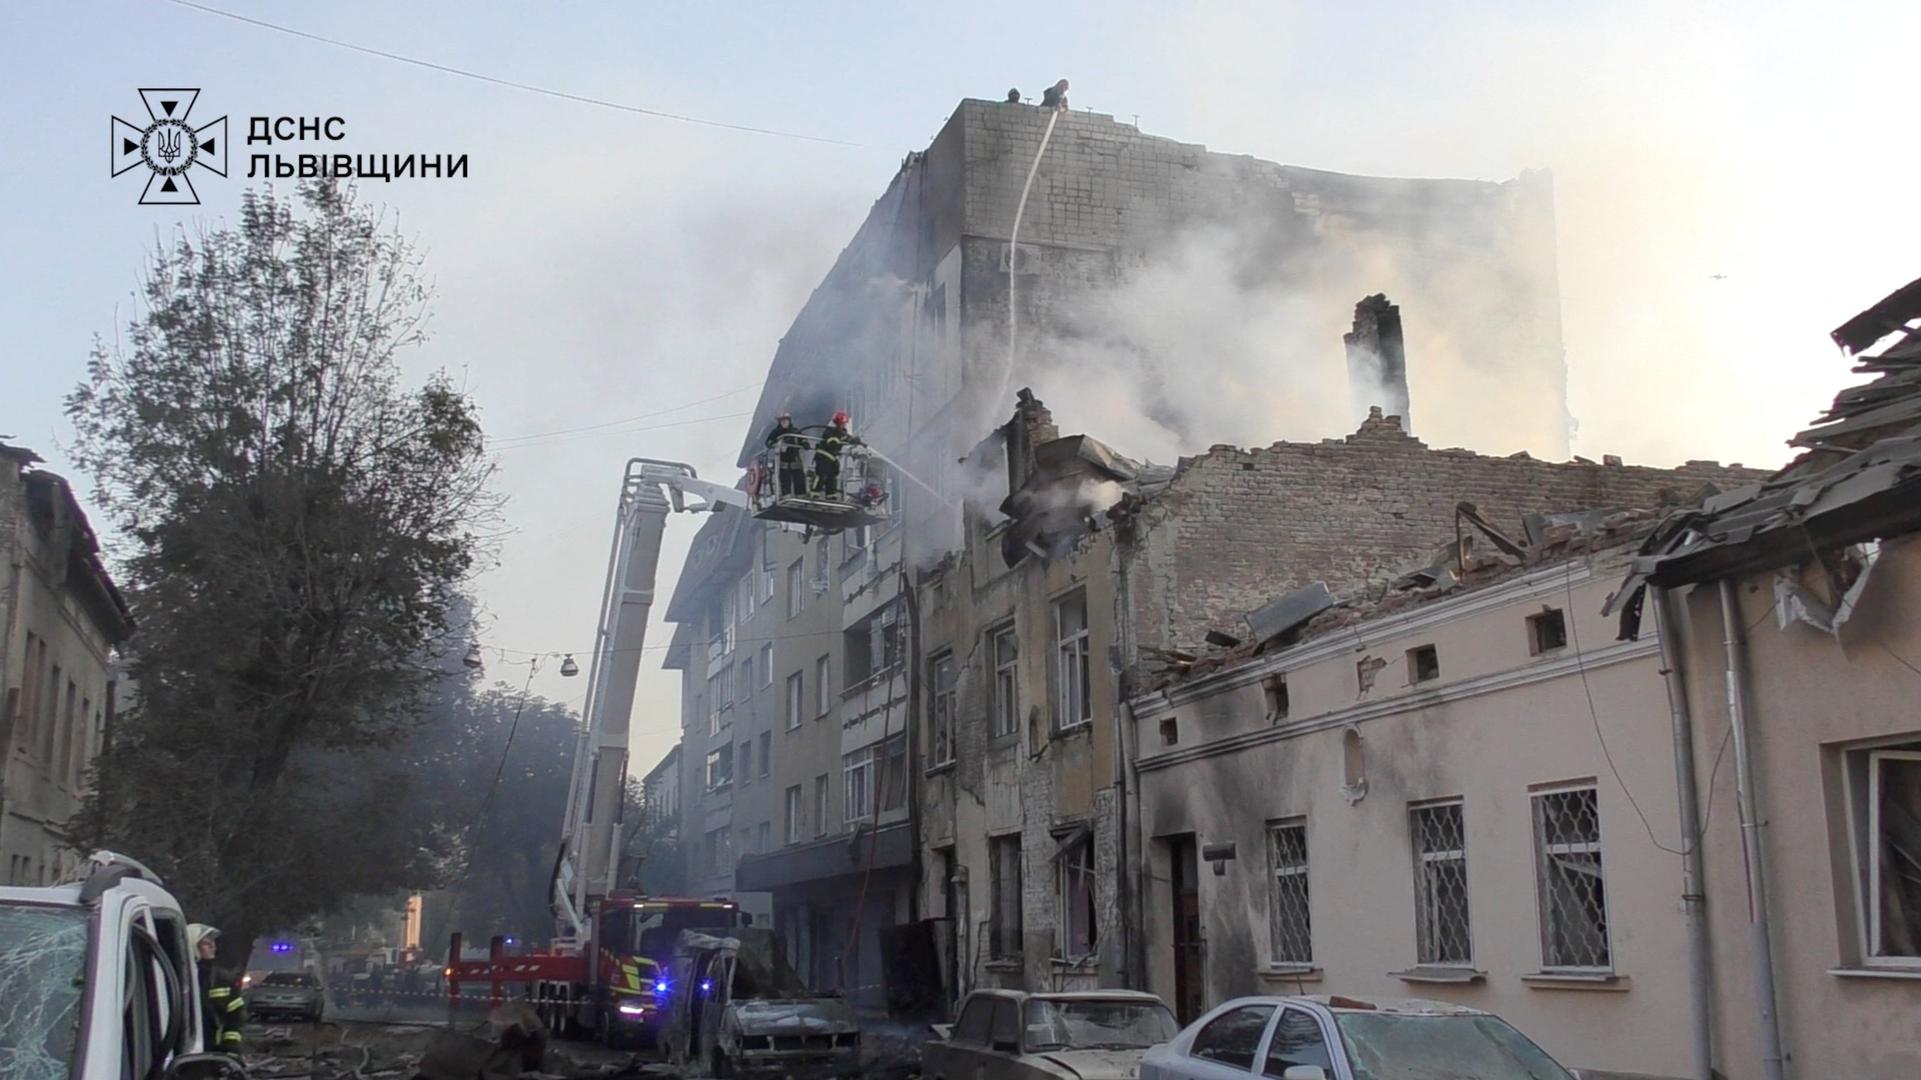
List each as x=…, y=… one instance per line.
x=1574, y=913
x=1004, y=869
x=1007, y=696
x=1289, y=930
x=940, y=680
x=1440, y=884
x=1071, y=708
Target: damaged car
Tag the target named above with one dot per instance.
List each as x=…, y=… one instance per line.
x=739, y=1009
x=1085, y=1035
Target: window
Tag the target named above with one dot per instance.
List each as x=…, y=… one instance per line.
x=1440, y=884
x=795, y=824
x=858, y=768
x=1074, y=893
x=1298, y=1040
x=1005, y=648
x=873, y=645
x=766, y=576
x=1231, y=1037
x=52, y=720
x=720, y=852
x=766, y=753
x=1004, y=913
x=747, y=682
x=940, y=681
x=975, y=1020
x=820, y=805
x=796, y=694
x=1423, y=663
x=767, y=664
x=719, y=699
x=720, y=767
x=746, y=758
x=762, y=834
x=1170, y=731
x=746, y=598
x=893, y=773
x=1005, y=1034
x=1274, y=689
x=823, y=686
x=1072, y=707
x=796, y=587
x=1893, y=856
x=1567, y=850
x=1547, y=631
x=1289, y=930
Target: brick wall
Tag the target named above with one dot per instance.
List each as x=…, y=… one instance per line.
x=1237, y=528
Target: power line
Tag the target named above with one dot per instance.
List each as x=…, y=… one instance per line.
x=638, y=430
x=528, y=87
x=627, y=420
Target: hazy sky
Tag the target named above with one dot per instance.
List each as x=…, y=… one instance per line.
x=1732, y=181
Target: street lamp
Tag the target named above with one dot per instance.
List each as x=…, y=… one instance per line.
x=568, y=669
x=472, y=659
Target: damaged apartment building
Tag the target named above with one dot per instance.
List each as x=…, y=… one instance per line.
x=1043, y=857
x=796, y=651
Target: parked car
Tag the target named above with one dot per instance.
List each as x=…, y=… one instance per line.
x=287, y=993
x=97, y=981
x=1010, y=1035
x=1343, y=1038
x=735, y=1008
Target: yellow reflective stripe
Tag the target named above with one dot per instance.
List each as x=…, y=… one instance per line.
x=236, y=1004
x=230, y=1038
x=219, y=992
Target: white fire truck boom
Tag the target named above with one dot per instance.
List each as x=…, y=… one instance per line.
x=590, y=836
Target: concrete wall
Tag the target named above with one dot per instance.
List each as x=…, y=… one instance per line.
x=1500, y=722
x=1815, y=703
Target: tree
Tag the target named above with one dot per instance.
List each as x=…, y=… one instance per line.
x=299, y=522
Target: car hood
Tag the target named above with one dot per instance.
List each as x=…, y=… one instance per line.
x=799, y=1016
x=1097, y=1064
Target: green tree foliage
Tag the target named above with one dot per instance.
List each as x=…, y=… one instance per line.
x=300, y=518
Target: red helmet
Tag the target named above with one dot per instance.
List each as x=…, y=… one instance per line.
x=784, y=415
x=840, y=416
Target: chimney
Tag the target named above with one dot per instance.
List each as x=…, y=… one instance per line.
x=1032, y=425
x=1377, y=359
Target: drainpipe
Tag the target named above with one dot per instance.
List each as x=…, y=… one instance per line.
x=1753, y=850
x=1693, y=892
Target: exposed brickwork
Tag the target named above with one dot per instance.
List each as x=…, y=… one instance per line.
x=1238, y=527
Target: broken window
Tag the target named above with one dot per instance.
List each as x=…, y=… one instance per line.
x=1573, y=901
x=940, y=680
x=796, y=825
x=1170, y=731
x=1289, y=929
x=1274, y=689
x=1440, y=884
x=720, y=767
x=1072, y=707
x=1004, y=917
x=1074, y=893
x=1547, y=631
x=1894, y=855
x=1005, y=648
x=1423, y=664
x=858, y=770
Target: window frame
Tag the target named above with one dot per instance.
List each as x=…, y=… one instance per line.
x=766, y=740
x=766, y=664
x=796, y=816
x=1423, y=933
x=1268, y=1012
x=1537, y=799
x=823, y=800
x=1073, y=666
x=940, y=711
x=718, y=757
x=823, y=686
x=1871, y=923
x=796, y=587
x=1006, y=700
x=859, y=764
x=1066, y=912
x=796, y=699
x=1276, y=872
x=1004, y=936
x=1329, y=1040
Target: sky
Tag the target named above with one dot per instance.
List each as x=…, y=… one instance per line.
x=1730, y=180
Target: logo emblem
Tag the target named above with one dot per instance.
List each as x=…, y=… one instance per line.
x=169, y=145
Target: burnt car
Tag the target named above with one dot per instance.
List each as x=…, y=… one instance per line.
x=1010, y=1035
x=295, y=994
x=739, y=1009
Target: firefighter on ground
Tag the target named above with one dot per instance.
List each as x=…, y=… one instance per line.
x=827, y=456
x=785, y=440
x=222, y=1008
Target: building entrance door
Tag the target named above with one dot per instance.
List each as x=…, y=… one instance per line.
x=1190, y=988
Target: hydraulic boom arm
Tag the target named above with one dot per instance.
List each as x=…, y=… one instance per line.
x=590, y=836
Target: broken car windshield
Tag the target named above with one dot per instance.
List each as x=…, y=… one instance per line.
x=43, y=952
x=1390, y=1046
x=1087, y=1025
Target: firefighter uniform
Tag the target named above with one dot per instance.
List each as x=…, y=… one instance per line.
x=827, y=457
x=784, y=439
x=222, y=1006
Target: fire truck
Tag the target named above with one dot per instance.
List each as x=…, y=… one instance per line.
x=606, y=975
